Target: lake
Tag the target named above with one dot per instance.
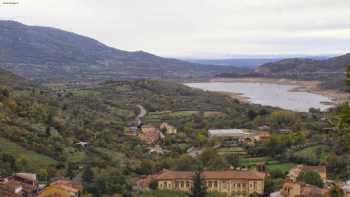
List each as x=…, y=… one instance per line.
x=269, y=94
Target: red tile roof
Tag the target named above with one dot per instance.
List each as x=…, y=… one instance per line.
x=68, y=185
x=248, y=175
x=319, y=169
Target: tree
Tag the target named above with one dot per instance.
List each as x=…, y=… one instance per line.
x=341, y=122
x=198, y=188
x=153, y=185
x=252, y=114
x=70, y=172
x=88, y=174
x=233, y=160
x=336, y=191
x=312, y=178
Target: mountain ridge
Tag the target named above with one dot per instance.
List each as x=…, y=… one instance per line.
x=49, y=54
x=331, y=72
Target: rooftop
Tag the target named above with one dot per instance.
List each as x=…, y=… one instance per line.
x=229, y=174
x=27, y=176
x=67, y=185
x=228, y=132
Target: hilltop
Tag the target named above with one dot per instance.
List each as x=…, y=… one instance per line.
x=300, y=66
x=50, y=54
x=331, y=72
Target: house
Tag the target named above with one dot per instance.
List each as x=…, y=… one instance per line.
x=19, y=184
x=295, y=172
x=167, y=128
x=11, y=189
x=149, y=134
x=292, y=189
x=62, y=188
x=231, y=183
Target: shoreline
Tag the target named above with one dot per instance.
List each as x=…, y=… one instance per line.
x=306, y=86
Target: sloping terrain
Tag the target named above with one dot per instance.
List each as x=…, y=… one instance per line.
x=332, y=65
x=49, y=54
x=330, y=71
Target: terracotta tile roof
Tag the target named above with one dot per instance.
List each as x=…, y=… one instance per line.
x=149, y=134
x=249, y=175
x=68, y=185
x=54, y=191
x=312, y=191
x=319, y=169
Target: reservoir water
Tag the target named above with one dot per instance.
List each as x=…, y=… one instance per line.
x=269, y=94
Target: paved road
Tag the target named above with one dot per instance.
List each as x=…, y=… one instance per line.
x=142, y=113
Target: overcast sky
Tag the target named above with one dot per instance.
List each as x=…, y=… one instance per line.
x=197, y=28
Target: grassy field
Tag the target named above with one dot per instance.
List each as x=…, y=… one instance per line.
x=279, y=166
x=35, y=160
x=154, y=117
x=86, y=93
x=272, y=164
x=318, y=152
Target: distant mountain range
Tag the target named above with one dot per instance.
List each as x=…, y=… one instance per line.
x=241, y=63
x=253, y=61
x=53, y=55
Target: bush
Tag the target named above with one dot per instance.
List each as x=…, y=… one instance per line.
x=312, y=178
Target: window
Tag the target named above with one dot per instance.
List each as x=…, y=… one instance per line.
x=215, y=184
x=187, y=184
x=224, y=186
x=182, y=184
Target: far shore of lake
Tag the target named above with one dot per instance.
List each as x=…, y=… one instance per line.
x=302, y=86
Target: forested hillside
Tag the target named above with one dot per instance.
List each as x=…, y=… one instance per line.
x=52, y=55
x=331, y=71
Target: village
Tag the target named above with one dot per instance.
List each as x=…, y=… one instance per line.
x=233, y=182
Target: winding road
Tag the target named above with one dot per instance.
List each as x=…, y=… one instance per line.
x=142, y=113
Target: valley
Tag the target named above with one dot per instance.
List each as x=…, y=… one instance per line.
x=100, y=121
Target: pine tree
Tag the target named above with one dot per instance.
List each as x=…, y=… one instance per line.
x=198, y=188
